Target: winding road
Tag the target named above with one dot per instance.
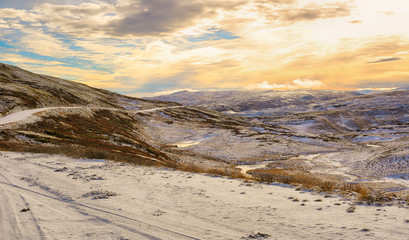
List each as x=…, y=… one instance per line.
x=26, y=114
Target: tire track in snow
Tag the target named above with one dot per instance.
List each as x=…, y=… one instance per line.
x=96, y=213
x=12, y=222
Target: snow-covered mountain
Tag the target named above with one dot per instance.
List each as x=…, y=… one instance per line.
x=337, y=111
x=255, y=101
x=378, y=121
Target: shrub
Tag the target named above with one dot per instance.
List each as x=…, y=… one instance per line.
x=226, y=171
x=286, y=176
x=372, y=197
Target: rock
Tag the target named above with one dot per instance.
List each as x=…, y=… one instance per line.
x=351, y=209
x=25, y=210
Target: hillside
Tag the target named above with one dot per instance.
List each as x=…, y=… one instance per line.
x=21, y=90
x=253, y=102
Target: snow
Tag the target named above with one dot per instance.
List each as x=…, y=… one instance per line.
x=245, y=168
x=28, y=115
x=374, y=146
x=373, y=139
x=20, y=116
x=345, y=122
x=149, y=203
x=129, y=104
x=194, y=141
x=184, y=144
x=259, y=129
x=400, y=179
x=156, y=109
x=302, y=126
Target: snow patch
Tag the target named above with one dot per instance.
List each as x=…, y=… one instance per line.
x=373, y=139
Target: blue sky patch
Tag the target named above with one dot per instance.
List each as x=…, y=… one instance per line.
x=216, y=34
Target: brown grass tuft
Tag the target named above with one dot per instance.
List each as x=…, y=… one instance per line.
x=294, y=177
x=226, y=171
x=76, y=151
x=373, y=197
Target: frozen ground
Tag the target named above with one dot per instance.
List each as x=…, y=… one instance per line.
x=28, y=114
x=55, y=197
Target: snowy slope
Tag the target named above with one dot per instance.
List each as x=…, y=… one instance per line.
x=91, y=199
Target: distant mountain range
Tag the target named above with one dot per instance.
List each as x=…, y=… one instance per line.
x=251, y=102
x=282, y=104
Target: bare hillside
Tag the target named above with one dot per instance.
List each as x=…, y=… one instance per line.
x=20, y=90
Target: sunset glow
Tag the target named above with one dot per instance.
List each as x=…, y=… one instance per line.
x=139, y=47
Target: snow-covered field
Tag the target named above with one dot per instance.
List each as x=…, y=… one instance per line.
x=55, y=197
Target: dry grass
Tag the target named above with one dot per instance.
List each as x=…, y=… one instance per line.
x=373, y=197
x=226, y=171
x=292, y=177
x=310, y=181
x=76, y=151
x=105, y=135
x=361, y=190
x=295, y=177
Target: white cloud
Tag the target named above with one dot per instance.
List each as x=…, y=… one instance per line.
x=297, y=84
x=307, y=83
x=18, y=59
x=143, y=41
x=266, y=85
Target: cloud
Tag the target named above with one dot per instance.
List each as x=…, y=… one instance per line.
x=84, y=20
x=291, y=12
x=28, y=4
x=18, y=59
x=161, y=17
x=12, y=15
x=307, y=83
x=155, y=45
x=266, y=85
x=158, y=17
x=40, y=43
x=275, y=2
x=124, y=18
x=355, y=21
x=314, y=11
x=386, y=60
x=297, y=84
x=387, y=13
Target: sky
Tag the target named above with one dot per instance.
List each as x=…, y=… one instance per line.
x=146, y=47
